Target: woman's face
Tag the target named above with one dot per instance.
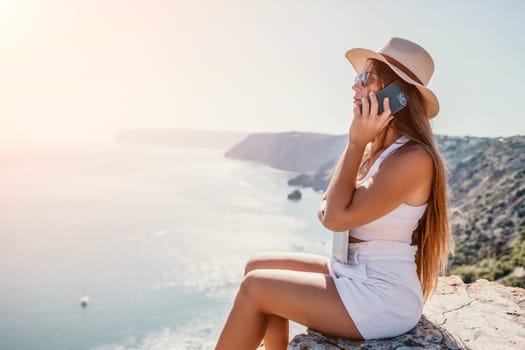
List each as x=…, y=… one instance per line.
x=372, y=83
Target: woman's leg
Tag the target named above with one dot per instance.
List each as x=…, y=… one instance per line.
x=288, y=261
x=308, y=298
x=277, y=334
x=277, y=331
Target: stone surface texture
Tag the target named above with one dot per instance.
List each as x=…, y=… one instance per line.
x=481, y=315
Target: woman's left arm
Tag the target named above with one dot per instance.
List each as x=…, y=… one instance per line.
x=402, y=177
x=365, y=126
x=342, y=185
x=342, y=172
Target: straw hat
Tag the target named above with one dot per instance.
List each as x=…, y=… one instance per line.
x=408, y=60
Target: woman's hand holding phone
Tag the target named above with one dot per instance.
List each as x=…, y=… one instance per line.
x=367, y=123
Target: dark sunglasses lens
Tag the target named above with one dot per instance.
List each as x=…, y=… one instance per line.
x=359, y=78
x=364, y=77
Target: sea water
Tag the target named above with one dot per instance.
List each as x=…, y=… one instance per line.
x=156, y=237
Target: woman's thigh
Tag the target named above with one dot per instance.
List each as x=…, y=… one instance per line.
x=307, y=298
x=288, y=261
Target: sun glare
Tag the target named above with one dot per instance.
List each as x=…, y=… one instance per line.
x=7, y=10
x=9, y=23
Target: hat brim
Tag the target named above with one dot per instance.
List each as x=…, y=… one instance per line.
x=358, y=58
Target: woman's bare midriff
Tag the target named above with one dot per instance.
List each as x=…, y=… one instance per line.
x=355, y=240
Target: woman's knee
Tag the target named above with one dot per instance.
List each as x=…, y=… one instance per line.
x=250, y=284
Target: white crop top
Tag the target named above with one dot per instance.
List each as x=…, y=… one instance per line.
x=398, y=224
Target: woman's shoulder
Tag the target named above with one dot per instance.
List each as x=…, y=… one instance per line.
x=412, y=149
x=412, y=157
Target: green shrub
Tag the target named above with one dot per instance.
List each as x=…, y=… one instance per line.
x=468, y=273
x=514, y=281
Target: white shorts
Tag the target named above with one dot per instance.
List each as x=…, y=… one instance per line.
x=379, y=287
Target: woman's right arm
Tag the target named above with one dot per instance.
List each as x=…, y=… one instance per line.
x=322, y=204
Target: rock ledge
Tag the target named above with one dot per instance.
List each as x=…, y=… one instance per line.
x=481, y=315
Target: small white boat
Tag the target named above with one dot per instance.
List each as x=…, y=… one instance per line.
x=84, y=301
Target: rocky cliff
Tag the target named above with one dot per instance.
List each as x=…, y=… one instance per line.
x=488, y=187
x=482, y=315
x=293, y=151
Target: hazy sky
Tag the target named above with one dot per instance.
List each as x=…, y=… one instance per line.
x=78, y=71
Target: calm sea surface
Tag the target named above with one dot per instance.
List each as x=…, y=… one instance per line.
x=156, y=237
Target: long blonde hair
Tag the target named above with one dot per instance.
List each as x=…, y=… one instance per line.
x=432, y=235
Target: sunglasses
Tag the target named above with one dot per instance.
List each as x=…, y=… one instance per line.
x=363, y=77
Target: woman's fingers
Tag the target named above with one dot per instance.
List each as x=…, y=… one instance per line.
x=373, y=103
x=367, y=124
x=386, y=117
x=357, y=110
x=386, y=108
x=370, y=107
x=365, y=107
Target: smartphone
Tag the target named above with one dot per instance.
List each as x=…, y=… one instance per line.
x=340, y=246
x=396, y=96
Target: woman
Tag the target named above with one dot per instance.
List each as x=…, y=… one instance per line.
x=389, y=192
